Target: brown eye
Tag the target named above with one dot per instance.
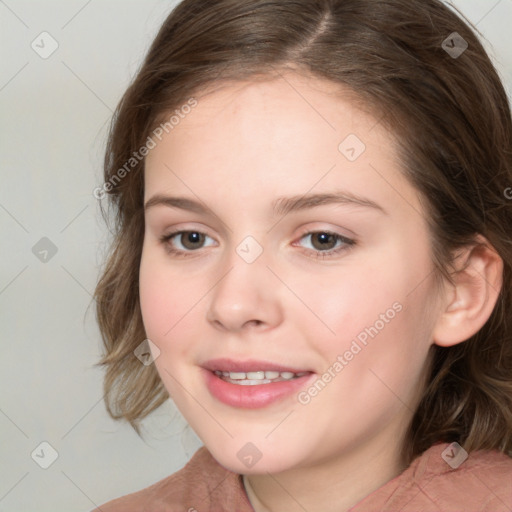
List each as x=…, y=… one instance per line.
x=191, y=239
x=324, y=241
x=183, y=242
x=324, y=244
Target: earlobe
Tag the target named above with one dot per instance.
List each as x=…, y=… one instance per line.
x=469, y=302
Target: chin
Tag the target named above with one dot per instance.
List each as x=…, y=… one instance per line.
x=239, y=460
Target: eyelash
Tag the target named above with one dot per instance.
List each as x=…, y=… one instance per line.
x=348, y=244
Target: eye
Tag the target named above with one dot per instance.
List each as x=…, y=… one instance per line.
x=186, y=241
x=326, y=243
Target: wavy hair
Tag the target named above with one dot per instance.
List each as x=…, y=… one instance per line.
x=452, y=121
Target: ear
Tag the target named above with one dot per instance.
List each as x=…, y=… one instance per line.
x=469, y=302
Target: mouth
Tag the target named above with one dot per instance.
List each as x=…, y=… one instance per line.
x=252, y=384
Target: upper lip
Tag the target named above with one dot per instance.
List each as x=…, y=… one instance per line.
x=250, y=365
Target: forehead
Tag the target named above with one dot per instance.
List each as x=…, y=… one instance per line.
x=287, y=99
x=277, y=114
x=293, y=130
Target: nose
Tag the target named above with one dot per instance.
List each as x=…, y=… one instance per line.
x=246, y=297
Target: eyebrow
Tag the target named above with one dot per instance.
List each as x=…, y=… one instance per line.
x=281, y=206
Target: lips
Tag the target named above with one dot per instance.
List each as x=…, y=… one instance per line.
x=252, y=395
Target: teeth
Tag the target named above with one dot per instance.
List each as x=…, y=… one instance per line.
x=255, y=375
x=237, y=375
x=258, y=377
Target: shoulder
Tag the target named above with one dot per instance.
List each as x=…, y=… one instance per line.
x=199, y=485
x=446, y=478
x=482, y=482
x=481, y=472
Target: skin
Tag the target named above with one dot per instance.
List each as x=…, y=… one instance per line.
x=240, y=149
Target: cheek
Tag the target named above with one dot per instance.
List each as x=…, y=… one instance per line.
x=350, y=298
x=373, y=284
x=373, y=366
x=155, y=301
x=165, y=300
x=376, y=310
x=167, y=308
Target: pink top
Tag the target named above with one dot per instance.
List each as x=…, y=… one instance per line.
x=483, y=483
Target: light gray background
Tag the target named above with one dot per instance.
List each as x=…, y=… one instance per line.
x=54, y=115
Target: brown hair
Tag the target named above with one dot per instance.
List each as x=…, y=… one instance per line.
x=452, y=121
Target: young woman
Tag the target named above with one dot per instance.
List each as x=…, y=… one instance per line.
x=312, y=258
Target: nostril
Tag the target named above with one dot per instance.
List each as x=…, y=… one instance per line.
x=256, y=322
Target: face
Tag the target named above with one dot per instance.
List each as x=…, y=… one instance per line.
x=338, y=286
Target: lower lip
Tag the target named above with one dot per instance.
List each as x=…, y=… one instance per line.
x=256, y=396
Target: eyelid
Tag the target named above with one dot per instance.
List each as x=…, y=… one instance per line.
x=186, y=229
x=349, y=235
x=325, y=227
